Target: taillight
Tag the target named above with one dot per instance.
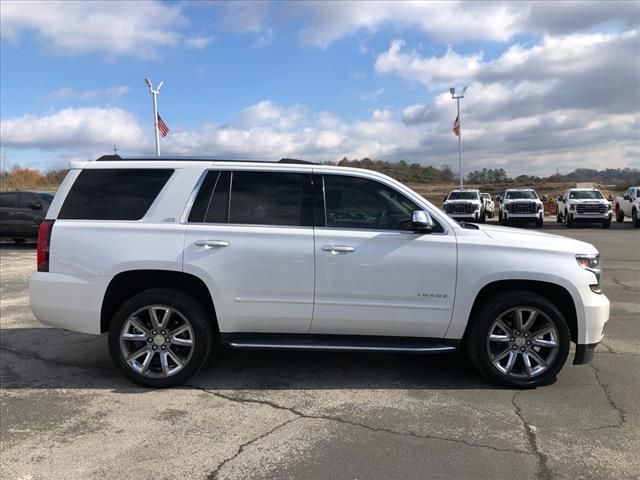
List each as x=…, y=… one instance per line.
x=44, y=242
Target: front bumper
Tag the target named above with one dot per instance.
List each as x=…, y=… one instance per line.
x=524, y=216
x=591, y=217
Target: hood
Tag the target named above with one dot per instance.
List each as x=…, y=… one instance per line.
x=524, y=200
x=535, y=239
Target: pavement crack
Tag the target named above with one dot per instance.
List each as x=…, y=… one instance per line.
x=621, y=414
x=214, y=474
x=543, y=470
x=344, y=421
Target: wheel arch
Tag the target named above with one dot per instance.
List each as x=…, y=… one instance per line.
x=129, y=283
x=555, y=293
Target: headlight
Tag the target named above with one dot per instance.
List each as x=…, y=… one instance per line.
x=608, y=207
x=539, y=206
x=572, y=207
x=591, y=263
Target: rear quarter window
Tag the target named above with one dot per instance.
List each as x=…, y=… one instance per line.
x=113, y=194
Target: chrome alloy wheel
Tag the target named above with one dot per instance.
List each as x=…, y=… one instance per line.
x=157, y=341
x=522, y=342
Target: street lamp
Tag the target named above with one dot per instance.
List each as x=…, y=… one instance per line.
x=154, y=94
x=457, y=98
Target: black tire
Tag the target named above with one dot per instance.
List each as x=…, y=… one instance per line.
x=606, y=224
x=483, y=217
x=503, y=220
x=558, y=216
x=539, y=222
x=477, y=345
x=619, y=214
x=188, y=309
x=635, y=218
x=568, y=219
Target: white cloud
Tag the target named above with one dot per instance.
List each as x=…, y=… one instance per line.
x=433, y=71
x=73, y=128
x=197, y=42
x=67, y=93
x=122, y=28
x=530, y=143
x=447, y=21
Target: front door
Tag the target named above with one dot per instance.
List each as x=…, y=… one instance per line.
x=250, y=235
x=374, y=276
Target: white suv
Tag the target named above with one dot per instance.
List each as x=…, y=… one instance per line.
x=179, y=258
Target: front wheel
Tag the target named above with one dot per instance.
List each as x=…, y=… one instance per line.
x=160, y=337
x=539, y=222
x=569, y=219
x=606, y=224
x=619, y=214
x=635, y=218
x=518, y=339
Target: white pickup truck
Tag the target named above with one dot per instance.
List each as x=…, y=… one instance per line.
x=465, y=204
x=489, y=205
x=583, y=205
x=521, y=205
x=629, y=205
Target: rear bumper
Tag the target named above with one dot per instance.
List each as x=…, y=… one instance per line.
x=67, y=301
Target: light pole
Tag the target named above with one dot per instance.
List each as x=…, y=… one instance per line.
x=457, y=98
x=154, y=94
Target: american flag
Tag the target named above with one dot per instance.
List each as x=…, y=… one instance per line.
x=162, y=126
x=456, y=126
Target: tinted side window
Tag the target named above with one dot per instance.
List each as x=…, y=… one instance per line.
x=212, y=203
x=353, y=202
x=9, y=199
x=266, y=198
x=113, y=194
x=27, y=199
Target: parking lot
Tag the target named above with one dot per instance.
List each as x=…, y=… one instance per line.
x=66, y=412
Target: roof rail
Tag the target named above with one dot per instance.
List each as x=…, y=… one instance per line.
x=116, y=158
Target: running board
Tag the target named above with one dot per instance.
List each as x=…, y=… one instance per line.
x=338, y=343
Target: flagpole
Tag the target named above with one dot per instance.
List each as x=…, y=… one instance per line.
x=459, y=145
x=154, y=94
x=457, y=98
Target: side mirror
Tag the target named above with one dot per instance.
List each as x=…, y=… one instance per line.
x=35, y=206
x=445, y=198
x=545, y=198
x=626, y=197
x=559, y=198
x=498, y=198
x=421, y=221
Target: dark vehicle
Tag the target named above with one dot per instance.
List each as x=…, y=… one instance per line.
x=21, y=213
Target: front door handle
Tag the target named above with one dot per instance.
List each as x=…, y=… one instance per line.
x=338, y=249
x=212, y=243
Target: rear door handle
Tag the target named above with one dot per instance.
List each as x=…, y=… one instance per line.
x=338, y=249
x=212, y=243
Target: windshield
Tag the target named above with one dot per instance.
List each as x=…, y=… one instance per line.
x=486, y=195
x=526, y=194
x=585, y=194
x=463, y=196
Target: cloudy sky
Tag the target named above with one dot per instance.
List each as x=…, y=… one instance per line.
x=552, y=85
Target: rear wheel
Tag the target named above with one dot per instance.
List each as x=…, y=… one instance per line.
x=518, y=339
x=160, y=337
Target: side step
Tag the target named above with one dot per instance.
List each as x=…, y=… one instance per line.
x=338, y=343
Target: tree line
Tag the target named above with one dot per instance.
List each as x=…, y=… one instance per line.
x=26, y=178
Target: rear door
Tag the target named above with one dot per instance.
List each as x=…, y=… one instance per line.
x=250, y=237
x=9, y=214
x=373, y=275
x=30, y=214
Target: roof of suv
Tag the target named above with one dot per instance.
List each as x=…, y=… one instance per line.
x=118, y=158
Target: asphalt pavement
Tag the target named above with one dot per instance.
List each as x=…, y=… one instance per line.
x=66, y=413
